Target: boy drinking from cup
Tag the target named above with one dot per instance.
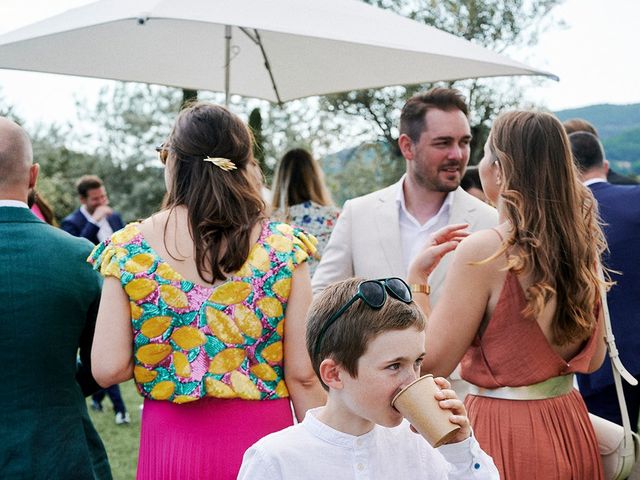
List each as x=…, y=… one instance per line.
x=366, y=342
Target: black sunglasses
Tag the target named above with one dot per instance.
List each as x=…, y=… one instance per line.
x=163, y=152
x=374, y=294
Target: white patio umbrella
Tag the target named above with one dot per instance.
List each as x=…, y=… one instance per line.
x=276, y=50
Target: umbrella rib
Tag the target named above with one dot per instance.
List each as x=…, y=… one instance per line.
x=258, y=41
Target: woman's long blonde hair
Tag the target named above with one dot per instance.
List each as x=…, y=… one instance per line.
x=555, y=224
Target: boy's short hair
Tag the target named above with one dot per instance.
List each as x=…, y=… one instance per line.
x=347, y=339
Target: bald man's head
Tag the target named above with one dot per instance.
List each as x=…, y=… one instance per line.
x=16, y=159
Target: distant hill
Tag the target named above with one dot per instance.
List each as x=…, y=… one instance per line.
x=609, y=120
x=619, y=128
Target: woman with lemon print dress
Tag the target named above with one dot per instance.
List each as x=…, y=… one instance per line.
x=204, y=304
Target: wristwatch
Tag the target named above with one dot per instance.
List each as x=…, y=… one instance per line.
x=420, y=288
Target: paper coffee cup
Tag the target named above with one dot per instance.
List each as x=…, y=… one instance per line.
x=417, y=403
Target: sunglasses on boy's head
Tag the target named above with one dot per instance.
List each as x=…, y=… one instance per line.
x=374, y=294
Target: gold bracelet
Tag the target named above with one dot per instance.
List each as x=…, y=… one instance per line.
x=420, y=288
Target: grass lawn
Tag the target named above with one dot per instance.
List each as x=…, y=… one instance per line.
x=121, y=441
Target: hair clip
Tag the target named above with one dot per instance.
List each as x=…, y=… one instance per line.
x=223, y=163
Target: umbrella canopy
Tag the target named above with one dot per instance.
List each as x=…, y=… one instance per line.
x=309, y=47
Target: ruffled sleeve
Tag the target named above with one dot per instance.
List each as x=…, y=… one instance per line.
x=304, y=246
x=291, y=245
x=104, y=259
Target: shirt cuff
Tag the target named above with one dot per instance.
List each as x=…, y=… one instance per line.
x=465, y=451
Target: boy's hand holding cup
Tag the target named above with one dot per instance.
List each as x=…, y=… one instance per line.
x=434, y=410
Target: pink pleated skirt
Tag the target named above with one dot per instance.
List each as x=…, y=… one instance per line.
x=205, y=439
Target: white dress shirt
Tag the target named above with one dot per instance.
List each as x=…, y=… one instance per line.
x=591, y=181
x=414, y=235
x=105, y=229
x=312, y=450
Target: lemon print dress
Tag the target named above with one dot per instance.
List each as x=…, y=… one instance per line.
x=208, y=360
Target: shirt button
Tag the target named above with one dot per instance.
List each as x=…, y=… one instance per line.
x=360, y=467
x=476, y=466
x=358, y=442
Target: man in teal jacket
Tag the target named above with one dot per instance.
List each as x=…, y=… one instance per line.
x=48, y=302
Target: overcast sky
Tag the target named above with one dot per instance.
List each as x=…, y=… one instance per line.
x=595, y=56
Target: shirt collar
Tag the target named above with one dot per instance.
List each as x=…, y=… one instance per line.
x=444, y=208
x=13, y=203
x=87, y=215
x=591, y=181
x=335, y=437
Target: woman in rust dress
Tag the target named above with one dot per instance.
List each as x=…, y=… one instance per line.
x=520, y=305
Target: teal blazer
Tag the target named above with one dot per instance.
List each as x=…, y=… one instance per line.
x=49, y=298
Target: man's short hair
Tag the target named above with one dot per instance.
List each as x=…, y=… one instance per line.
x=413, y=116
x=578, y=125
x=347, y=339
x=587, y=150
x=86, y=183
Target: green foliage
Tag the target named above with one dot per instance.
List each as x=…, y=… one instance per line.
x=8, y=111
x=125, y=124
x=60, y=167
x=300, y=123
x=189, y=96
x=122, y=442
x=618, y=127
x=360, y=170
x=625, y=147
x=609, y=120
x=495, y=24
x=255, y=124
x=129, y=121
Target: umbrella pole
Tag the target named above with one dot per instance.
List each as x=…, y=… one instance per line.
x=227, y=61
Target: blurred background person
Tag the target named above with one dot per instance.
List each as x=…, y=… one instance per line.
x=95, y=220
x=41, y=208
x=580, y=125
x=470, y=183
x=619, y=208
x=520, y=306
x=204, y=304
x=300, y=197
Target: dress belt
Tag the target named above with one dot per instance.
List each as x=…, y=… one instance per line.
x=550, y=388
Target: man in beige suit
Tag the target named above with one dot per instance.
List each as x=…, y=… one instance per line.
x=377, y=235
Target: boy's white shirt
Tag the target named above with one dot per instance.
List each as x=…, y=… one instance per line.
x=313, y=450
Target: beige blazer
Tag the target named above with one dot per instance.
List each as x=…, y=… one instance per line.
x=366, y=239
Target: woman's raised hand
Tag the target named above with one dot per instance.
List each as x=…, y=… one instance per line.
x=441, y=242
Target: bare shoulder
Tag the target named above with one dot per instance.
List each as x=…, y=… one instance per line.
x=479, y=246
x=154, y=226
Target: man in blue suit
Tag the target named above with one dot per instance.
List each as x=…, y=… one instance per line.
x=49, y=301
x=95, y=220
x=619, y=207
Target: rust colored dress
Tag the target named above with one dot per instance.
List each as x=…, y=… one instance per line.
x=529, y=439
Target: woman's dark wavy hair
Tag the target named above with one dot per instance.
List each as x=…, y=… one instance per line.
x=223, y=206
